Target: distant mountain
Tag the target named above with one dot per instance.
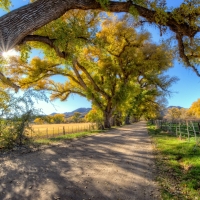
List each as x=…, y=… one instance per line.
x=53, y=113
x=83, y=112
x=179, y=107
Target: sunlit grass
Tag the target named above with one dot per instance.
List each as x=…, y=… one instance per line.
x=51, y=140
x=178, y=162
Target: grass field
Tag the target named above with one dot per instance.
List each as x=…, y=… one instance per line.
x=178, y=164
x=51, y=130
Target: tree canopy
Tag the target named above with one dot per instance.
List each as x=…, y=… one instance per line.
x=109, y=64
x=183, y=21
x=194, y=109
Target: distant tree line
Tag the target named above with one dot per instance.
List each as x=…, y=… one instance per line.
x=176, y=113
x=59, y=119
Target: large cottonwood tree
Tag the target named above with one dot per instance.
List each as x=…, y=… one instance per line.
x=105, y=68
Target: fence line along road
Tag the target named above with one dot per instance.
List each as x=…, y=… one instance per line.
x=50, y=130
x=182, y=128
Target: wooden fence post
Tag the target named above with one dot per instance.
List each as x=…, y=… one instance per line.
x=47, y=132
x=199, y=127
x=170, y=127
x=180, y=136
x=63, y=130
x=188, y=132
x=195, y=135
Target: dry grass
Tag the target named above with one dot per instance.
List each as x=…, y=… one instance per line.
x=51, y=130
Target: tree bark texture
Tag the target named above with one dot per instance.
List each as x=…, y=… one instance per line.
x=107, y=119
x=15, y=25
x=127, y=119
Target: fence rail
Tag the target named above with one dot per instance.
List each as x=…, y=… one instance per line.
x=52, y=131
x=182, y=128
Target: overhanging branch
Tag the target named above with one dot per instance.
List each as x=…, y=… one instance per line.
x=23, y=21
x=181, y=49
x=8, y=82
x=45, y=40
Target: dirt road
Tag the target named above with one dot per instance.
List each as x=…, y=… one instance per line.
x=117, y=165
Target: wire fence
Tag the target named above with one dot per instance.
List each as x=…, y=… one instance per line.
x=183, y=129
x=49, y=131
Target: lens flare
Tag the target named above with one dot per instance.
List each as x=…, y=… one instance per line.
x=7, y=54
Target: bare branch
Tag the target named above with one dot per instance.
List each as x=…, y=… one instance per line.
x=181, y=49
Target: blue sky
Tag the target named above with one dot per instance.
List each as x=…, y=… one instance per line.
x=185, y=91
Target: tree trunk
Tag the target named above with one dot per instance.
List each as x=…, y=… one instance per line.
x=118, y=120
x=113, y=120
x=127, y=120
x=107, y=120
x=100, y=126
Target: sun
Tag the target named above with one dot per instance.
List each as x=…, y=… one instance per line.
x=10, y=53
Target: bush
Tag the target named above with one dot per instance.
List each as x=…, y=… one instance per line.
x=15, y=119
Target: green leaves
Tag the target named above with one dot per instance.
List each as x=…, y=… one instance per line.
x=104, y=3
x=112, y=66
x=25, y=51
x=5, y=4
x=16, y=113
x=134, y=12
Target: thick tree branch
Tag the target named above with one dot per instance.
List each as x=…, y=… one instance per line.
x=181, y=49
x=57, y=93
x=8, y=82
x=81, y=81
x=45, y=40
x=183, y=28
x=19, y=23
x=94, y=99
x=76, y=92
x=96, y=87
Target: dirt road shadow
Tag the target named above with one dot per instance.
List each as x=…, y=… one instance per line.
x=116, y=165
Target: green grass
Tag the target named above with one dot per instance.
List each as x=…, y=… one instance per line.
x=181, y=128
x=71, y=136
x=178, y=164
